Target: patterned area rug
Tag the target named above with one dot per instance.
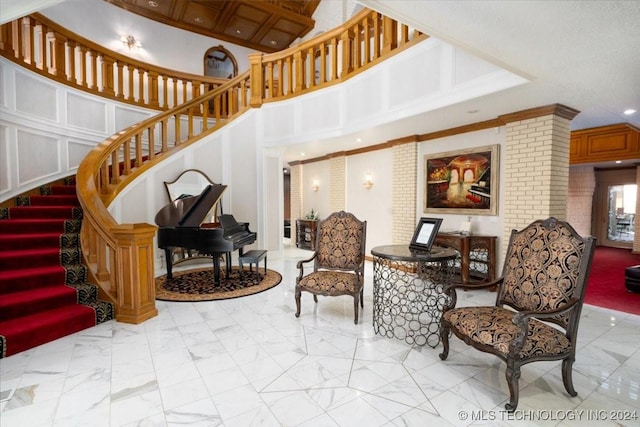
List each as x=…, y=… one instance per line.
x=197, y=285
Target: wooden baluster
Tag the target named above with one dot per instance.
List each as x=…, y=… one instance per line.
x=175, y=92
x=59, y=56
x=42, y=48
x=107, y=75
x=256, y=78
x=152, y=88
x=323, y=63
x=311, y=57
x=138, y=153
x=28, y=24
x=131, y=77
x=390, y=35
x=126, y=158
x=152, y=141
x=178, y=136
x=289, y=65
x=334, y=58
x=141, y=86
x=184, y=91
x=120, y=73
x=83, y=66
x=94, y=72
x=115, y=168
x=347, y=56
x=165, y=92
x=102, y=260
x=298, y=64
x=269, y=93
x=164, y=136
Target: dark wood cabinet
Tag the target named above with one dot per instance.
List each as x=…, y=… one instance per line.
x=477, y=261
x=306, y=233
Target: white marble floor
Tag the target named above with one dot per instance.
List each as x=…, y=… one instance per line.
x=251, y=362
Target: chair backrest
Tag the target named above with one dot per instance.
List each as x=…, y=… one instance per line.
x=547, y=264
x=340, y=242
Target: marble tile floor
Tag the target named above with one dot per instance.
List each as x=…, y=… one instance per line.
x=251, y=362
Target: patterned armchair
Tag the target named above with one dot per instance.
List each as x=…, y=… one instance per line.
x=543, y=284
x=338, y=267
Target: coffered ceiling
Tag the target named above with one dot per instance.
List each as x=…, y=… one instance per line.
x=263, y=25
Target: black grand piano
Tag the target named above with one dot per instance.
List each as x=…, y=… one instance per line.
x=181, y=226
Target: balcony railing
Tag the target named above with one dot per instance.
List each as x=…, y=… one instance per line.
x=120, y=257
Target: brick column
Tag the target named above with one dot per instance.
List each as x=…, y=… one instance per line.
x=295, y=196
x=636, y=225
x=582, y=184
x=536, y=177
x=337, y=182
x=403, y=199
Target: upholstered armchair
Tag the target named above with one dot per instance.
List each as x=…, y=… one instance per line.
x=538, y=304
x=338, y=261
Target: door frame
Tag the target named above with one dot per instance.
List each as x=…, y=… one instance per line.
x=606, y=178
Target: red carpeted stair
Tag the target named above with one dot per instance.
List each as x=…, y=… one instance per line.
x=43, y=291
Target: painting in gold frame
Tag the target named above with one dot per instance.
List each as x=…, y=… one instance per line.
x=462, y=182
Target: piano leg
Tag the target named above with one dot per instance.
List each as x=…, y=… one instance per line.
x=216, y=269
x=168, y=255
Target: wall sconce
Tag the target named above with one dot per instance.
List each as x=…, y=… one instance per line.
x=368, y=181
x=130, y=42
x=316, y=185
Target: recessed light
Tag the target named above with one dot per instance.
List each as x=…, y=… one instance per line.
x=472, y=111
x=152, y=3
x=238, y=32
x=302, y=153
x=198, y=19
x=629, y=111
x=273, y=43
x=359, y=140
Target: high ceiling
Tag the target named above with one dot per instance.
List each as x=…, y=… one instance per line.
x=263, y=25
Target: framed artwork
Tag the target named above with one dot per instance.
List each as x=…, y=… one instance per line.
x=425, y=234
x=462, y=182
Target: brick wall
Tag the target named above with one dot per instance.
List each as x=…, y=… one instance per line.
x=405, y=173
x=582, y=184
x=536, y=171
x=337, y=183
x=295, y=196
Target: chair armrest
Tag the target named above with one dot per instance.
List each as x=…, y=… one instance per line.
x=300, y=265
x=521, y=317
x=449, y=289
x=521, y=320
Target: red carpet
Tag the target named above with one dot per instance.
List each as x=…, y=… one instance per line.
x=606, y=282
x=43, y=292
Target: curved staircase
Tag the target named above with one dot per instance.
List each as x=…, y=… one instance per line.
x=43, y=290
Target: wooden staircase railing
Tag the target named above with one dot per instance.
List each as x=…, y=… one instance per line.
x=121, y=256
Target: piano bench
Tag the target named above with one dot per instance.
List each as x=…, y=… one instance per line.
x=254, y=257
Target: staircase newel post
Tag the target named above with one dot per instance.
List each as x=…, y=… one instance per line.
x=135, y=272
x=256, y=79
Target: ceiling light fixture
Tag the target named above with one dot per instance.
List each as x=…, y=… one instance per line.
x=198, y=19
x=629, y=111
x=152, y=3
x=130, y=42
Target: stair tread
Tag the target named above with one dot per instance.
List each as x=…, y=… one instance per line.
x=47, y=318
x=34, y=294
x=26, y=272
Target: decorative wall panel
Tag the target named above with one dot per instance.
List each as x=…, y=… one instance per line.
x=36, y=97
x=5, y=161
x=77, y=151
x=274, y=126
x=467, y=67
x=416, y=76
x=37, y=156
x=86, y=113
x=125, y=117
x=320, y=111
x=361, y=101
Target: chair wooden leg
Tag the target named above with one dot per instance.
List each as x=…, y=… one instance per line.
x=356, y=297
x=567, y=377
x=362, y=297
x=315, y=298
x=444, y=337
x=298, y=293
x=513, y=376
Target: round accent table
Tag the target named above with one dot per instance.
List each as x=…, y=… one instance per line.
x=407, y=292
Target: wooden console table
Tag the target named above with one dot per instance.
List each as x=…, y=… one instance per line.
x=477, y=255
x=306, y=233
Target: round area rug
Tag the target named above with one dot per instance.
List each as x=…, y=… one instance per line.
x=197, y=285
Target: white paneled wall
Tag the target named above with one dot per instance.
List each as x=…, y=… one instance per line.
x=46, y=129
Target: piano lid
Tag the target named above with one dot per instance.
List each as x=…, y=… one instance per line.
x=190, y=211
